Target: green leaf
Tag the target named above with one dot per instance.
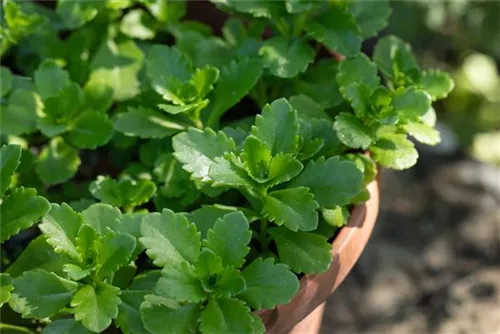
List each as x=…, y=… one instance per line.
x=75, y=14
x=293, y=207
x=5, y=81
x=394, y=151
x=40, y=294
x=129, y=318
x=333, y=182
x=65, y=326
x=283, y=168
x=168, y=69
x=259, y=8
x=303, y=252
x=256, y=157
x=64, y=105
x=213, y=51
x=170, y=238
x=436, y=83
x=208, y=264
x=371, y=16
x=19, y=23
x=61, y=227
x=225, y=316
x=203, y=80
x=336, y=217
x=20, y=210
x=96, y=306
x=98, y=96
x=365, y=164
x=184, y=109
x=86, y=243
x=411, y=103
x=117, y=64
x=229, y=283
x=113, y=251
x=352, y=132
x=90, y=130
x=137, y=23
x=234, y=226
x=75, y=272
x=317, y=84
x=307, y=108
x=168, y=171
x=337, y=29
x=50, y=80
x=10, y=157
x=146, y=123
x=180, y=283
x=124, y=192
x=235, y=81
x=300, y=6
x=58, y=162
x=50, y=128
x=395, y=59
x=166, y=12
x=268, y=284
x=21, y=113
x=197, y=149
x=100, y=216
x=159, y=318
x=6, y=287
x=277, y=127
x=423, y=133
x=285, y=58
x=229, y=172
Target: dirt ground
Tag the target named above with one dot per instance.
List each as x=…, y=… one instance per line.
x=433, y=263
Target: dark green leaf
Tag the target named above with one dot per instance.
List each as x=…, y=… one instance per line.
x=75, y=13
x=90, y=130
x=371, y=16
x=50, y=80
x=65, y=326
x=225, y=316
x=5, y=81
x=180, y=283
x=113, y=251
x=10, y=157
x=100, y=216
x=284, y=57
x=124, y=192
x=58, y=162
x=352, y=132
x=159, y=318
x=317, y=83
x=21, y=113
x=129, y=317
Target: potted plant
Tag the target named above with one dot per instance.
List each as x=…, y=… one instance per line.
x=198, y=182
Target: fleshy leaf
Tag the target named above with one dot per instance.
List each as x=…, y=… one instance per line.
x=65, y=326
x=180, y=283
x=436, y=83
x=293, y=207
x=234, y=226
x=394, y=151
x=225, y=316
x=423, y=133
x=58, y=162
x=268, y=284
x=283, y=168
x=371, y=16
x=10, y=157
x=303, y=252
x=411, y=103
x=123, y=192
x=90, y=130
x=284, y=57
x=277, y=127
x=229, y=283
x=129, y=317
x=75, y=14
x=256, y=157
x=395, y=60
x=5, y=80
x=6, y=287
x=170, y=238
x=228, y=172
x=20, y=210
x=65, y=105
x=113, y=251
x=50, y=80
x=40, y=294
x=20, y=115
x=101, y=216
x=159, y=318
x=137, y=23
x=352, y=132
x=333, y=182
x=317, y=83
x=197, y=149
x=96, y=306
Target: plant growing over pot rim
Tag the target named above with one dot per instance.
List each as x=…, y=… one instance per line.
x=220, y=214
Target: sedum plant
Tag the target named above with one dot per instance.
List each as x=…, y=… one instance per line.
x=185, y=179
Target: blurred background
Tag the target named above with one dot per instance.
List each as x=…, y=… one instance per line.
x=433, y=262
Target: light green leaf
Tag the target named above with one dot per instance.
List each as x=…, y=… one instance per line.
x=117, y=64
x=40, y=294
x=75, y=13
x=259, y=8
x=21, y=113
x=411, y=103
x=137, y=23
x=203, y=80
x=256, y=157
x=166, y=11
x=283, y=168
x=371, y=16
x=50, y=80
x=10, y=157
x=333, y=182
x=277, y=127
x=100, y=216
x=75, y=272
x=168, y=69
x=159, y=318
x=98, y=96
x=268, y=284
x=229, y=172
x=234, y=226
x=86, y=243
x=300, y=6
x=293, y=207
x=64, y=105
x=20, y=24
x=208, y=264
x=20, y=210
x=5, y=80
x=123, y=192
x=337, y=29
x=423, y=133
x=197, y=149
x=229, y=283
x=394, y=151
x=96, y=306
x=336, y=217
x=307, y=108
x=303, y=252
x=235, y=81
x=436, y=83
x=170, y=238
x=65, y=326
x=6, y=287
x=225, y=316
x=184, y=109
x=146, y=123
x=90, y=130
x=352, y=132
x=61, y=227
x=58, y=162
x=284, y=57
x=180, y=283
x=113, y=251
x=395, y=59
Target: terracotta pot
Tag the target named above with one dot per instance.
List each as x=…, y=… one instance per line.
x=315, y=289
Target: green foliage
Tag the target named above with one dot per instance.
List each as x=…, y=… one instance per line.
x=192, y=183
